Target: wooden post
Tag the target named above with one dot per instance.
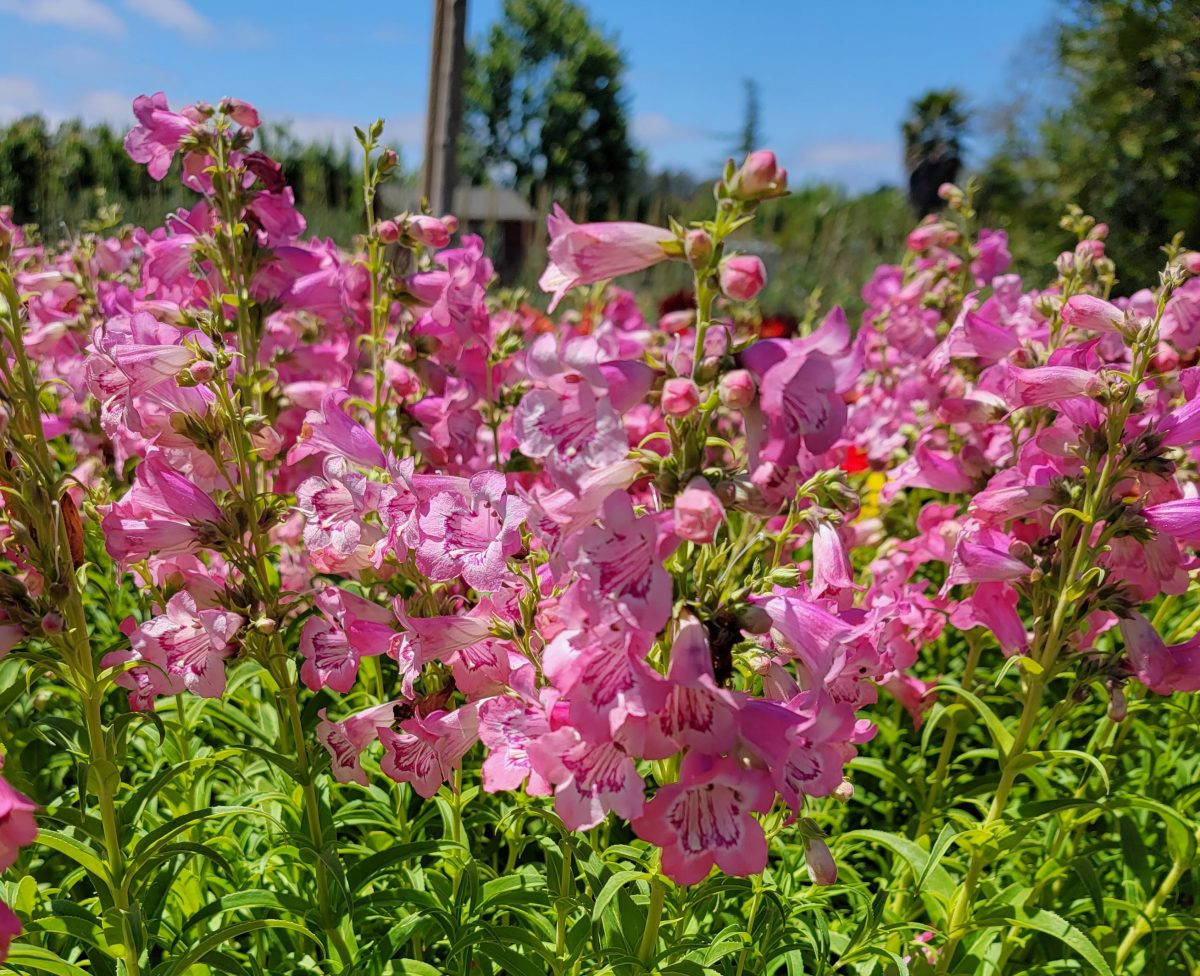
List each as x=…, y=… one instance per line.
x=444, y=117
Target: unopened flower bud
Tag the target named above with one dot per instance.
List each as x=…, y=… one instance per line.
x=267, y=441
x=680, y=396
x=53, y=623
x=428, y=231
x=822, y=868
x=698, y=512
x=754, y=620
x=387, y=231
x=1118, y=705
x=1064, y=264
x=388, y=160
x=674, y=322
x=1191, y=262
x=201, y=371
x=737, y=389
x=759, y=177
x=265, y=625
x=742, y=277
x=844, y=791
x=698, y=246
x=1021, y=550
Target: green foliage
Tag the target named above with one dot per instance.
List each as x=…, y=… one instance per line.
x=545, y=107
x=65, y=178
x=1124, y=146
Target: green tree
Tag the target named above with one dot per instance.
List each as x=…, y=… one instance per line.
x=544, y=107
x=1126, y=146
x=751, y=135
x=933, y=136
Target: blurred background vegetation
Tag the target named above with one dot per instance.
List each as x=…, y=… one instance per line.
x=1109, y=119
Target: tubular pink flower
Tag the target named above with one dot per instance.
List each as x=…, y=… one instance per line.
x=1044, y=385
x=1092, y=313
x=1161, y=668
x=582, y=254
x=1179, y=519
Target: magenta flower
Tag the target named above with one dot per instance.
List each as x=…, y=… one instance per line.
x=582, y=254
x=429, y=748
x=981, y=555
x=10, y=928
x=1162, y=668
x=162, y=513
x=186, y=647
x=590, y=779
x=330, y=430
x=159, y=133
x=1179, y=519
x=707, y=818
x=805, y=744
x=17, y=825
x=346, y=740
x=471, y=534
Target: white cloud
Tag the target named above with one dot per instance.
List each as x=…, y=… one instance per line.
x=83, y=15
x=18, y=96
x=654, y=129
x=174, y=14
x=850, y=152
x=404, y=130
x=106, y=105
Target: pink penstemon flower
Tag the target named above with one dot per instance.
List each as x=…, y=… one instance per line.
x=581, y=254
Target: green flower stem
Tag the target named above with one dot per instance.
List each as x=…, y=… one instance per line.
x=1145, y=918
x=104, y=777
x=654, y=909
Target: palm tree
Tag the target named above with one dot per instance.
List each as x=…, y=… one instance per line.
x=933, y=135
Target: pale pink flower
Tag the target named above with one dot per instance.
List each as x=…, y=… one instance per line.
x=582, y=254
x=697, y=713
x=590, y=779
x=334, y=507
x=346, y=740
x=429, y=748
x=707, y=818
x=506, y=727
x=1092, y=313
x=186, y=647
x=621, y=573
x=472, y=533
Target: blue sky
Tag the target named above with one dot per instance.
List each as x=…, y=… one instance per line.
x=835, y=77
